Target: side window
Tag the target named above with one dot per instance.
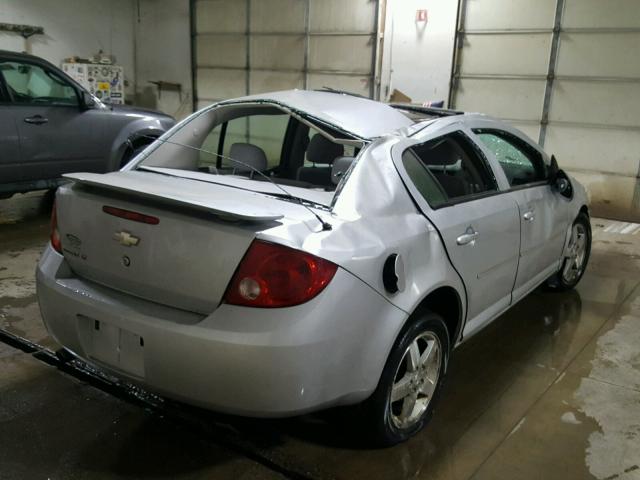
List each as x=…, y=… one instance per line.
x=266, y=132
x=452, y=168
x=521, y=163
x=423, y=180
x=31, y=84
x=348, y=150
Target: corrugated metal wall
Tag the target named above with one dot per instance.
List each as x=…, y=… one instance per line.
x=251, y=46
x=567, y=72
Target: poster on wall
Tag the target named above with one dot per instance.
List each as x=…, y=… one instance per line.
x=104, y=81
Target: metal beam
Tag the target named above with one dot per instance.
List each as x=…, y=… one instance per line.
x=598, y=126
x=568, y=78
x=592, y=78
x=342, y=34
x=348, y=73
x=508, y=31
x=457, y=53
x=380, y=39
x=248, y=49
x=553, y=59
x=376, y=43
x=293, y=34
x=307, y=28
x=194, y=63
x=536, y=31
x=571, y=123
x=601, y=30
x=499, y=76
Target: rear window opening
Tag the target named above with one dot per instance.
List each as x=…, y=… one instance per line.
x=261, y=144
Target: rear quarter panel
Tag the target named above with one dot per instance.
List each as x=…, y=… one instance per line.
x=374, y=217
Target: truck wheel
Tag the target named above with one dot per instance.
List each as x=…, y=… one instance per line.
x=132, y=151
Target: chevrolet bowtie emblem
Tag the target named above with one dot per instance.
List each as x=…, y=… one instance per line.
x=126, y=239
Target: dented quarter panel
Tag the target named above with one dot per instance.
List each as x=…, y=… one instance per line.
x=371, y=224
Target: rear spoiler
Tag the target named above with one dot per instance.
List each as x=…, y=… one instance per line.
x=225, y=202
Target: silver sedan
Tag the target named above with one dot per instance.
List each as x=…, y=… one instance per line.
x=288, y=252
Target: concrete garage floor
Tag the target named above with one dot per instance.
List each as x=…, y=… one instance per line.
x=550, y=390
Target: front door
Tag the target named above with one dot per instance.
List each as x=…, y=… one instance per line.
x=543, y=213
x=10, y=171
x=479, y=226
x=56, y=135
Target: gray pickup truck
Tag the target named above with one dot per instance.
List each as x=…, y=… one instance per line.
x=51, y=125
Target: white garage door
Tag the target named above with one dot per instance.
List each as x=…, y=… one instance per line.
x=252, y=46
x=567, y=72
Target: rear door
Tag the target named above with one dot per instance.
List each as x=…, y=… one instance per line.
x=56, y=135
x=543, y=212
x=10, y=171
x=456, y=189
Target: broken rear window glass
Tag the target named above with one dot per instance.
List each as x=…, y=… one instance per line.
x=256, y=142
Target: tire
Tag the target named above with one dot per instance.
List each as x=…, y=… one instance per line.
x=579, y=249
x=131, y=153
x=388, y=422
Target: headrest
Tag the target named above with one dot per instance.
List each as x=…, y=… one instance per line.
x=249, y=154
x=323, y=150
x=339, y=168
x=442, y=154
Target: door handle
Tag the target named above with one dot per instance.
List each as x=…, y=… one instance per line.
x=529, y=216
x=36, y=120
x=467, y=238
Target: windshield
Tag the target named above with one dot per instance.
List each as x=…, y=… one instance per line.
x=248, y=146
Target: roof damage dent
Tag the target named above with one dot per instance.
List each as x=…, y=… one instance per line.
x=304, y=117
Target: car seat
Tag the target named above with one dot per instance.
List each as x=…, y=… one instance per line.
x=320, y=151
x=444, y=164
x=247, y=156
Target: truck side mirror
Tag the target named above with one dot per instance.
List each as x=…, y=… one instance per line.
x=86, y=100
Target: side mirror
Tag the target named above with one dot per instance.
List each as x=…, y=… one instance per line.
x=559, y=180
x=86, y=100
x=562, y=185
x=553, y=170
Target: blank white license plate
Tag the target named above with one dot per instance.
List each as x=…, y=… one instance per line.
x=115, y=347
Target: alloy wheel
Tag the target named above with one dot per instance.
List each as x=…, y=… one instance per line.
x=415, y=380
x=576, y=254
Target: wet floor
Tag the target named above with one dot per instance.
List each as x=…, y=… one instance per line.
x=551, y=390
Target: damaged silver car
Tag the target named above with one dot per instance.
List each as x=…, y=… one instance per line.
x=288, y=252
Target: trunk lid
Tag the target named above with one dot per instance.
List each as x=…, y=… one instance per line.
x=186, y=260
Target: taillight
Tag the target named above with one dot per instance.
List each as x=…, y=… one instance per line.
x=272, y=275
x=129, y=215
x=55, y=234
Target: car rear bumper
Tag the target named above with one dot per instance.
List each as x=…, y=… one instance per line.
x=239, y=360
